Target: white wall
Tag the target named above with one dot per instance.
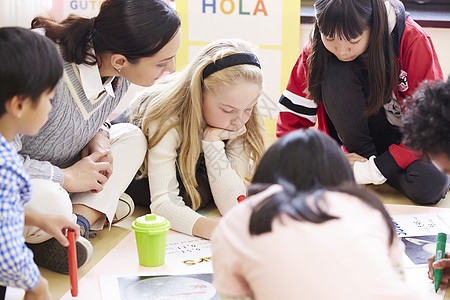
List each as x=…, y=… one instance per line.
x=439, y=36
x=21, y=12
x=441, y=41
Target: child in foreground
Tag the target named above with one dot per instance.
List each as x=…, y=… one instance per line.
x=204, y=136
x=30, y=70
x=307, y=231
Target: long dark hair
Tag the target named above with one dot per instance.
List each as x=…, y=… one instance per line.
x=133, y=28
x=30, y=65
x=306, y=163
x=348, y=19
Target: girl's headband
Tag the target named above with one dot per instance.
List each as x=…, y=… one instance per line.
x=230, y=61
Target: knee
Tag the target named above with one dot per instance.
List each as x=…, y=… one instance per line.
x=426, y=197
x=131, y=137
x=128, y=140
x=49, y=198
x=431, y=189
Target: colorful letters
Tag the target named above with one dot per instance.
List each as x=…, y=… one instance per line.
x=228, y=7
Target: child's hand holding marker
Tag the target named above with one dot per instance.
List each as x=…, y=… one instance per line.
x=434, y=266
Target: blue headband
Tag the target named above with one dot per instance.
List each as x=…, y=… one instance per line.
x=230, y=61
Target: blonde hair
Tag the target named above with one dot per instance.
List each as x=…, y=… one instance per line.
x=176, y=101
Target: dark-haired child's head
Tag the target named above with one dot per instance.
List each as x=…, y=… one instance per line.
x=344, y=26
x=426, y=123
x=31, y=65
x=306, y=163
x=351, y=29
x=307, y=159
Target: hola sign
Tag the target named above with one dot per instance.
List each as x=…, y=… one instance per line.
x=227, y=7
x=272, y=25
x=257, y=21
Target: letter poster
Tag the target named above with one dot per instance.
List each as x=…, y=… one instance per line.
x=84, y=8
x=272, y=25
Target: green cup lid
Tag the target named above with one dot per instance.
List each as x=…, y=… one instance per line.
x=151, y=223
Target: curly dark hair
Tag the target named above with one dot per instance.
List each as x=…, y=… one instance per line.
x=426, y=123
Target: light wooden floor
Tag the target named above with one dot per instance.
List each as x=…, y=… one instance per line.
x=103, y=243
x=106, y=240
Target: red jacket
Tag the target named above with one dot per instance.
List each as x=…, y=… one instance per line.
x=417, y=59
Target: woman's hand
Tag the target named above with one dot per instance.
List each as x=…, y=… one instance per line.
x=212, y=134
x=99, y=143
x=441, y=264
x=353, y=157
x=88, y=174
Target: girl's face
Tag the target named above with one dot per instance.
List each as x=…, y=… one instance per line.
x=149, y=69
x=346, y=50
x=230, y=107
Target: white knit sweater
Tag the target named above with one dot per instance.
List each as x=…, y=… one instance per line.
x=226, y=165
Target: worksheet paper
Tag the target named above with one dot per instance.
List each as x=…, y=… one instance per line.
x=186, y=274
x=418, y=233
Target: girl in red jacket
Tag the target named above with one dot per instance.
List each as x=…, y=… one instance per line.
x=363, y=60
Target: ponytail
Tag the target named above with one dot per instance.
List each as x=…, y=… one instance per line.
x=133, y=28
x=72, y=34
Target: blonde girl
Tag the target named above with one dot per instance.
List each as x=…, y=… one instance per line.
x=204, y=137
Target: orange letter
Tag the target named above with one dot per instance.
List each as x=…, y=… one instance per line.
x=263, y=8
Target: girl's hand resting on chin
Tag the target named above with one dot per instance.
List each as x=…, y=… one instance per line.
x=212, y=134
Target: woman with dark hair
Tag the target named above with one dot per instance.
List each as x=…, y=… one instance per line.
x=364, y=58
x=78, y=162
x=307, y=225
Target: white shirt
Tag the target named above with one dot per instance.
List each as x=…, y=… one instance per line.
x=226, y=166
x=91, y=81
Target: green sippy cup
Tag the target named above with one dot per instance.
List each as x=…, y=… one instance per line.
x=151, y=236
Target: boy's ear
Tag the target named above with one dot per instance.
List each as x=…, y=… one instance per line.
x=15, y=106
x=118, y=61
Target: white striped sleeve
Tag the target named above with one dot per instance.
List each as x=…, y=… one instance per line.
x=297, y=105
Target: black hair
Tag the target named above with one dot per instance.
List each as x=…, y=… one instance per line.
x=133, y=28
x=426, y=122
x=348, y=19
x=30, y=65
x=306, y=163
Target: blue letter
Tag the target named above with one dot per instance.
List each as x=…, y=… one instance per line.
x=73, y=5
x=85, y=5
x=213, y=5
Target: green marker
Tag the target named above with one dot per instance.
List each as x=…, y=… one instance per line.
x=440, y=253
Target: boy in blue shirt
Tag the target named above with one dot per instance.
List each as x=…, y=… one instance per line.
x=31, y=68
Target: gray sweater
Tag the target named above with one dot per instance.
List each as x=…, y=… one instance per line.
x=72, y=123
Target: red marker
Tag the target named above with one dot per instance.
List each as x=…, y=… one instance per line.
x=241, y=198
x=73, y=266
